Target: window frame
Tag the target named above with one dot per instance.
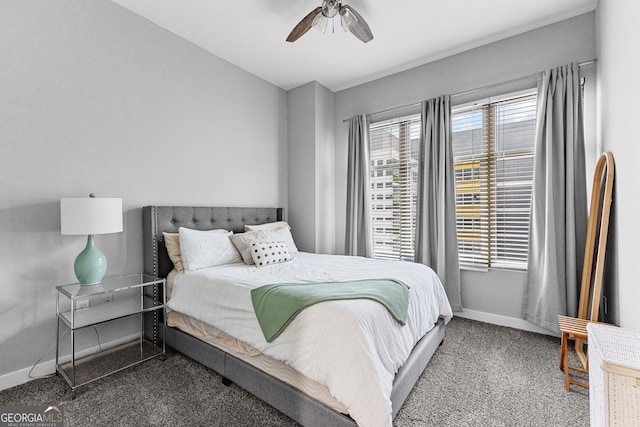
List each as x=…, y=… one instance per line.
x=399, y=187
x=485, y=255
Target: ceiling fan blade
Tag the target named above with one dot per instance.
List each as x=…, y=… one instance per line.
x=355, y=23
x=304, y=25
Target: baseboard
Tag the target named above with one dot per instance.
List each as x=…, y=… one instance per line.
x=497, y=319
x=48, y=367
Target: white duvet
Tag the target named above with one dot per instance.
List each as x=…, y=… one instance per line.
x=353, y=347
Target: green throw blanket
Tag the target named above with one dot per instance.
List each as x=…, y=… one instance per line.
x=277, y=305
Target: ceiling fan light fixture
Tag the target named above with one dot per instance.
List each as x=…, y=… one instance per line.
x=320, y=22
x=330, y=8
x=346, y=19
x=355, y=24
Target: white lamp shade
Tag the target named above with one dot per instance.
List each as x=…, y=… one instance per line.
x=90, y=215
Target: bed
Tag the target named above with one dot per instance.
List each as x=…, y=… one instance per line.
x=280, y=384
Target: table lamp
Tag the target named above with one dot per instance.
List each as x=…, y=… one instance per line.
x=90, y=215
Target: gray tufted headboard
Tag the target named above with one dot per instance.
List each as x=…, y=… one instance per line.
x=156, y=219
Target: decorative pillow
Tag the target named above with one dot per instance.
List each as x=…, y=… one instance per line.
x=243, y=241
x=202, y=249
x=268, y=226
x=267, y=253
x=172, y=242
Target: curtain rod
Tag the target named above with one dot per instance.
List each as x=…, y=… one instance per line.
x=467, y=92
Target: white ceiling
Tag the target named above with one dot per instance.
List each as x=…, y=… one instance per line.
x=251, y=33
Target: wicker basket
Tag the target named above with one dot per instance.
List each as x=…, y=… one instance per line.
x=614, y=359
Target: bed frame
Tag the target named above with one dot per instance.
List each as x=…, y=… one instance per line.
x=287, y=399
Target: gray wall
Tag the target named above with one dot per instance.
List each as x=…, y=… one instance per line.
x=618, y=26
x=496, y=292
x=325, y=170
x=311, y=167
x=302, y=165
x=96, y=99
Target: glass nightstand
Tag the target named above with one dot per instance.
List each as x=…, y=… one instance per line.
x=79, y=307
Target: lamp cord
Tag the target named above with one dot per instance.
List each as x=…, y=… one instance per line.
x=97, y=338
x=51, y=348
x=42, y=357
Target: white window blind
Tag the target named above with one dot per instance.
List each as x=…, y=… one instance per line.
x=493, y=155
x=394, y=174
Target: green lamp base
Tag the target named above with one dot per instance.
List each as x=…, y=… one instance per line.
x=91, y=264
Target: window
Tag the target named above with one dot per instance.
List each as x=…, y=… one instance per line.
x=493, y=160
x=394, y=172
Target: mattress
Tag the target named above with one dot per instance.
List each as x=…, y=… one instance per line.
x=353, y=348
x=246, y=353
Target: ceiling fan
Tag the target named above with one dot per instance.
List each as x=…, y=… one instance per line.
x=319, y=18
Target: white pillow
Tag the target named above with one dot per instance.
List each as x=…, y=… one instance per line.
x=267, y=253
x=284, y=234
x=243, y=241
x=268, y=226
x=202, y=249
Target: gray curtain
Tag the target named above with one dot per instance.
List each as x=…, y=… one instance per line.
x=558, y=206
x=436, y=243
x=359, y=233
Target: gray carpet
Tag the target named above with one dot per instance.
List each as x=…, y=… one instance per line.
x=483, y=375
